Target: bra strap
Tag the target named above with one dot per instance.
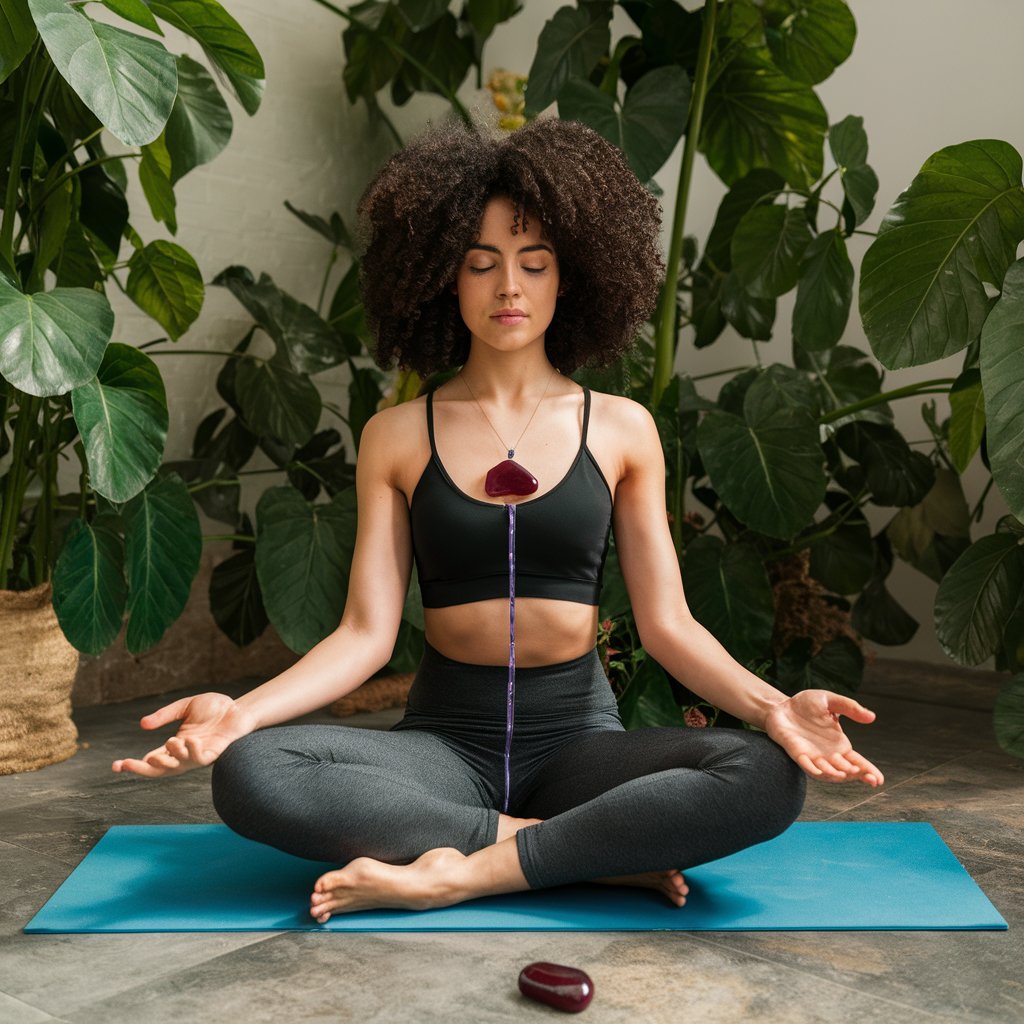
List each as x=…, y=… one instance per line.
x=586, y=414
x=430, y=423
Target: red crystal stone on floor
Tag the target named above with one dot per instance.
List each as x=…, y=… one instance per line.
x=565, y=988
x=509, y=477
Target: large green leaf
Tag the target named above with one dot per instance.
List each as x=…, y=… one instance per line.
x=728, y=592
x=51, y=342
x=155, y=179
x=421, y=13
x=441, y=49
x=757, y=117
x=89, y=588
x=126, y=80
x=751, y=188
x=767, y=248
x=956, y=228
x=224, y=41
x=303, y=558
x=768, y=467
x=164, y=281
x=843, y=560
x=844, y=375
x=277, y=401
x=1009, y=716
x=824, y=293
x=122, y=417
x=646, y=127
x=1001, y=359
x=163, y=543
x=751, y=316
x=135, y=11
x=369, y=62
x=879, y=617
x=838, y=666
x=200, y=123
x=648, y=700
x=301, y=335
x=17, y=33
x=809, y=39
x=967, y=417
x=977, y=596
x=570, y=44
x=235, y=599
x=896, y=475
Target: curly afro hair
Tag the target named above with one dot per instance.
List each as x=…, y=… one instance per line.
x=423, y=210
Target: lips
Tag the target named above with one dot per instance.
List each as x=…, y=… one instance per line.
x=509, y=317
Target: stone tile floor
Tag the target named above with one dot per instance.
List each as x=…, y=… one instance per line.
x=932, y=738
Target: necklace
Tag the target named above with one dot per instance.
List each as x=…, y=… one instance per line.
x=509, y=477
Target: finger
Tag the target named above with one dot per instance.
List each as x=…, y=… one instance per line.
x=197, y=752
x=828, y=770
x=841, y=705
x=869, y=773
x=177, y=748
x=808, y=765
x=844, y=764
x=137, y=767
x=170, y=713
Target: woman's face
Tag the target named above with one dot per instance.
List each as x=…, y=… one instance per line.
x=507, y=283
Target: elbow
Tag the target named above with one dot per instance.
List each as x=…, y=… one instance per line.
x=660, y=635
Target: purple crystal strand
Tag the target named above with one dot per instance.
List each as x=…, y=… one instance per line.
x=511, y=699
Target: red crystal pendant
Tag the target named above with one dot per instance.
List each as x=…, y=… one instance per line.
x=509, y=477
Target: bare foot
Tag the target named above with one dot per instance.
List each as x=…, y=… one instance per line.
x=670, y=882
x=365, y=884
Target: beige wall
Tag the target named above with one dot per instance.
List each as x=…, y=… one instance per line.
x=924, y=74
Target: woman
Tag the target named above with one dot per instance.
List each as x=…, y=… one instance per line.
x=518, y=259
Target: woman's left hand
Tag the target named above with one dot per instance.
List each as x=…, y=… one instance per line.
x=807, y=727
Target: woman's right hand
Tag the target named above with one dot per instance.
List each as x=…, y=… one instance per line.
x=210, y=722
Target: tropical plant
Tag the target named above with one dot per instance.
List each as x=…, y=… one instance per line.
x=291, y=568
x=127, y=540
x=785, y=459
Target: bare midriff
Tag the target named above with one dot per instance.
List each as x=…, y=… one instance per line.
x=547, y=631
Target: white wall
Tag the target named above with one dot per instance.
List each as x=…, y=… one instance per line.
x=923, y=74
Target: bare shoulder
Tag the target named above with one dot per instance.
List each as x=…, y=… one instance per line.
x=621, y=423
x=622, y=436
x=395, y=435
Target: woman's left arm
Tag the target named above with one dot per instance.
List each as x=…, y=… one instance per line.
x=805, y=725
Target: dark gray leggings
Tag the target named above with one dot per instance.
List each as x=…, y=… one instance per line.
x=614, y=802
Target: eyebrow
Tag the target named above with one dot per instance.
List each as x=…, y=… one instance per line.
x=525, y=248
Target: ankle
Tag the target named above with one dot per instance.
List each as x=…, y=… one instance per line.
x=509, y=826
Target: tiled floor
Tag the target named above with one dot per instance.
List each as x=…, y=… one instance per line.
x=932, y=738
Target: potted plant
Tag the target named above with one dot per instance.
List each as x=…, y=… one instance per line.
x=119, y=538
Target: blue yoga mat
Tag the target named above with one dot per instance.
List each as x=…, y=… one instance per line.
x=815, y=876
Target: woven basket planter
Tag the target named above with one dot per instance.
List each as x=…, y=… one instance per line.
x=37, y=671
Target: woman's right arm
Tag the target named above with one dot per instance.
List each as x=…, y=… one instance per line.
x=360, y=645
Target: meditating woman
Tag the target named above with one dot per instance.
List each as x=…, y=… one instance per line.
x=516, y=259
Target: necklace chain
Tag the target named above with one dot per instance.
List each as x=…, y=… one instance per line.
x=511, y=451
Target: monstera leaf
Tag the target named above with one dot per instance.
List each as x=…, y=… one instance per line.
x=956, y=229
x=728, y=592
x=1002, y=380
x=122, y=416
x=303, y=557
x=89, y=587
x=126, y=80
x=51, y=342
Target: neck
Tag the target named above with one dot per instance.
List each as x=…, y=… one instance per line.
x=508, y=376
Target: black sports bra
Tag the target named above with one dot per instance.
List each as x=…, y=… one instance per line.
x=461, y=544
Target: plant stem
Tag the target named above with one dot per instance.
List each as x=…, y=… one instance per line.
x=404, y=53
x=17, y=480
x=924, y=387
x=665, y=341
x=323, y=286
x=13, y=183
x=229, y=536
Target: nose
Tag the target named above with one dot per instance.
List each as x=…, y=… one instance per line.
x=508, y=282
